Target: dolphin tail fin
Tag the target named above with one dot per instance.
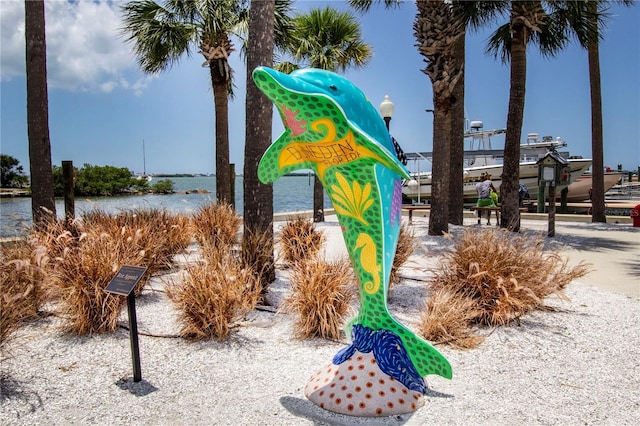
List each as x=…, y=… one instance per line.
x=425, y=358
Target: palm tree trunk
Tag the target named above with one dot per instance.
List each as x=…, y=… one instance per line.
x=43, y=205
x=258, y=198
x=439, y=215
x=456, y=189
x=597, y=144
x=221, y=105
x=510, y=213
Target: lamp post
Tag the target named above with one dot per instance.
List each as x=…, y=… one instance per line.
x=386, y=109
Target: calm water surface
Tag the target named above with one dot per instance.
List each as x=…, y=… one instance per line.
x=290, y=194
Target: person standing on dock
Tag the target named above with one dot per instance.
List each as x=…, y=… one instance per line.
x=484, y=188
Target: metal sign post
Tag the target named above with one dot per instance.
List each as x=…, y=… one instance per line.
x=123, y=284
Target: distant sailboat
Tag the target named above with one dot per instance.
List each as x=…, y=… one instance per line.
x=144, y=165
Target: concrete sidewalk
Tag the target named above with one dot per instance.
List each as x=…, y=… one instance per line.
x=613, y=250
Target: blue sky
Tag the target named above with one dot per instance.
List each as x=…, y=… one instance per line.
x=101, y=107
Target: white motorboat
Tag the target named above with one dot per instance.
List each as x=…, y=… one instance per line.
x=481, y=158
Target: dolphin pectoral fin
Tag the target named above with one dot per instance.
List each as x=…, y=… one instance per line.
x=270, y=167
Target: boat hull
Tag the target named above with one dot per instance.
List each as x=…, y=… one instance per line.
x=579, y=190
x=528, y=177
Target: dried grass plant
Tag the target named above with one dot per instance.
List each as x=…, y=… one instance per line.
x=507, y=275
x=216, y=226
x=22, y=286
x=213, y=295
x=404, y=249
x=449, y=318
x=85, y=259
x=84, y=272
x=299, y=240
x=257, y=254
x=321, y=296
x=160, y=234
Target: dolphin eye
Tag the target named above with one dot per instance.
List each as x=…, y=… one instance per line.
x=333, y=87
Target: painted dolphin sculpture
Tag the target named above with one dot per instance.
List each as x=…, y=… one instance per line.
x=332, y=128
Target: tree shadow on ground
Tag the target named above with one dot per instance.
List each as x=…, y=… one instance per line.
x=11, y=388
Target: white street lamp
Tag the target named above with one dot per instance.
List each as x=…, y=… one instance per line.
x=386, y=109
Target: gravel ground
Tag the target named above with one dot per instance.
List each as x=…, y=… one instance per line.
x=575, y=364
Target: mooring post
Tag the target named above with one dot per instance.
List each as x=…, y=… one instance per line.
x=232, y=182
x=69, y=185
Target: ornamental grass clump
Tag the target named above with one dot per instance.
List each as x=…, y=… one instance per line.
x=87, y=257
x=22, y=286
x=216, y=226
x=321, y=295
x=505, y=275
x=160, y=234
x=299, y=240
x=212, y=295
x=86, y=268
x=257, y=255
x=450, y=318
x=404, y=249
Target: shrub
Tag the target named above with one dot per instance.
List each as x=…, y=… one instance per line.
x=257, y=254
x=88, y=265
x=450, y=318
x=299, y=240
x=321, y=296
x=212, y=295
x=159, y=234
x=87, y=259
x=216, y=226
x=163, y=186
x=22, y=285
x=404, y=249
x=505, y=275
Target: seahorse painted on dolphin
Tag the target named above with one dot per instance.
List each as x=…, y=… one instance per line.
x=332, y=128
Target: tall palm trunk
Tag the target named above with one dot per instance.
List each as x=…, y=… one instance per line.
x=456, y=176
x=524, y=18
x=258, y=198
x=43, y=205
x=439, y=215
x=437, y=29
x=597, y=144
x=221, y=106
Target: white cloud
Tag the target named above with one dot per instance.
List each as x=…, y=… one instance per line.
x=86, y=50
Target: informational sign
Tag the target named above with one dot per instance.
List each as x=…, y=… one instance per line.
x=548, y=174
x=125, y=280
x=123, y=284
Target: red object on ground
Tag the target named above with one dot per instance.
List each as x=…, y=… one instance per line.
x=635, y=216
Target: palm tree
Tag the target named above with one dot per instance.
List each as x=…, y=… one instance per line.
x=43, y=205
x=258, y=198
x=529, y=22
x=331, y=40
x=162, y=34
x=456, y=150
x=585, y=21
x=440, y=29
x=475, y=14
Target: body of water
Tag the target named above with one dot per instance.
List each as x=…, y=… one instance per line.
x=290, y=194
